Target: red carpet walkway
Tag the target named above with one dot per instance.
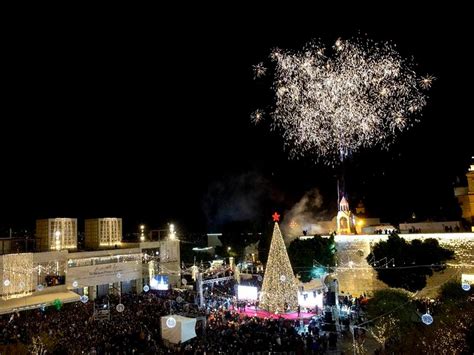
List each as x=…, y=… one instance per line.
x=250, y=312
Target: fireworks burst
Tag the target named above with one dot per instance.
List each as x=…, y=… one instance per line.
x=427, y=81
x=256, y=116
x=359, y=95
x=259, y=70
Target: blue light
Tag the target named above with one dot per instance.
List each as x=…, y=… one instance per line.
x=318, y=272
x=427, y=319
x=171, y=322
x=466, y=286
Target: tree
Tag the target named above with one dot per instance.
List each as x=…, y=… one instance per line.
x=396, y=303
x=303, y=253
x=452, y=329
x=406, y=265
x=451, y=293
x=394, y=315
x=450, y=333
x=279, y=288
x=383, y=329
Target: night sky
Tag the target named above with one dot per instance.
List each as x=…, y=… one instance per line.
x=150, y=121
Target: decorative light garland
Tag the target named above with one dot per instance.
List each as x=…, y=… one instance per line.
x=17, y=275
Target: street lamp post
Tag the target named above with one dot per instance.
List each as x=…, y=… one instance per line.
x=172, y=232
x=142, y=233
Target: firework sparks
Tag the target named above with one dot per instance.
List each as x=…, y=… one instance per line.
x=259, y=70
x=256, y=116
x=427, y=81
x=329, y=104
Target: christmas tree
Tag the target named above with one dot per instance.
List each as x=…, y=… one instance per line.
x=279, y=290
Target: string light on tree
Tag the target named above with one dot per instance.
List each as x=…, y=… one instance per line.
x=17, y=275
x=279, y=288
x=172, y=232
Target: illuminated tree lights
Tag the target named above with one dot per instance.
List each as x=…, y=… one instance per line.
x=279, y=289
x=17, y=275
x=329, y=104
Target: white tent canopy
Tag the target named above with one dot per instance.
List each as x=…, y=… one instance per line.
x=184, y=329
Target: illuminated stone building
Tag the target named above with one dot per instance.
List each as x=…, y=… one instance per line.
x=465, y=196
x=103, y=233
x=345, y=219
x=56, y=233
x=58, y=271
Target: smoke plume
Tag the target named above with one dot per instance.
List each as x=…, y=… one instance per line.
x=304, y=216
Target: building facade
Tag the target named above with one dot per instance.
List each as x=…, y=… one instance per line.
x=32, y=280
x=103, y=233
x=465, y=196
x=56, y=233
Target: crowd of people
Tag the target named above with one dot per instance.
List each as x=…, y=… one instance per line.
x=230, y=333
x=74, y=328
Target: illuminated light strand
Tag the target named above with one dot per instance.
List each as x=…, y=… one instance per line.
x=63, y=234
x=17, y=280
x=334, y=268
